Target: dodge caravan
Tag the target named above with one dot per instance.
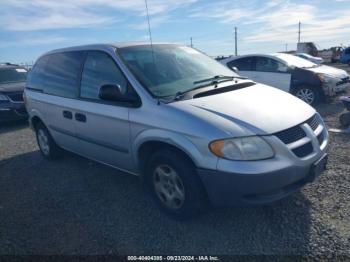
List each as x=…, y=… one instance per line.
x=190, y=128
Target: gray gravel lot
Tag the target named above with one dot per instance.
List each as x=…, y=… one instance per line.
x=75, y=206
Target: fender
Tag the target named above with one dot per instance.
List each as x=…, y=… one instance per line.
x=172, y=138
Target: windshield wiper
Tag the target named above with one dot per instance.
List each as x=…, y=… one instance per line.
x=215, y=78
x=212, y=81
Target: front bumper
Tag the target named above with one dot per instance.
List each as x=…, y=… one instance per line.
x=230, y=189
x=12, y=112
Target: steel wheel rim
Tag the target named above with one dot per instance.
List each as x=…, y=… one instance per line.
x=307, y=95
x=43, y=142
x=169, y=187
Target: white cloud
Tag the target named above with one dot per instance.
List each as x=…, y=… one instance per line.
x=276, y=21
x=31, y=15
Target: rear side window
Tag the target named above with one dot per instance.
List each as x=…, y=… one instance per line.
x=100, y=69
x=62, y=73
x=36, y=77
x=242, y=64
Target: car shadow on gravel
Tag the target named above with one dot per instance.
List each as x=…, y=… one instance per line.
x=76, y=206
x=13, y=126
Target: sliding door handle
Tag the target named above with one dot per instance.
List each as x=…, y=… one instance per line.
x=80, y=117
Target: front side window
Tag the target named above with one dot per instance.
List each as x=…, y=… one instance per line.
x=12, y=75
x=167, y=69
x=266, y=64
x=242, y=64
x=62, y=72
x=100, y=69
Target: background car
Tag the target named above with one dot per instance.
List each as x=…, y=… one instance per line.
x=345, y=56
x=12, y=83
x=314, y=59
x=308, y=81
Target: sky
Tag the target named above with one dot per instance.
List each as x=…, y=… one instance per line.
x=29, y=28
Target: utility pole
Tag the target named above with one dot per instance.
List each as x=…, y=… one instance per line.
x=236, y=53
x=286, y=47
x=299, y=33
x=191, y=42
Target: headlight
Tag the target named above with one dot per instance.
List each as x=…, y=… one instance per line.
x=324, y=78
x=243, y=148
x=3, y=98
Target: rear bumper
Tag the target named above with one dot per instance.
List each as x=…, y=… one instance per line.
x=231, y=189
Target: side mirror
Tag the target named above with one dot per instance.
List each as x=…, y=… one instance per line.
x=234, y=69
x=113, y=92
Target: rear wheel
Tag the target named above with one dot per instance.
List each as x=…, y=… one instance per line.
x=47, y=145
x=309, y=95
x=174, y=185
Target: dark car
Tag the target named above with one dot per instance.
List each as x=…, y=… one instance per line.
x=12, y=83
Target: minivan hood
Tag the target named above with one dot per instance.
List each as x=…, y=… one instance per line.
x=329, y=71
x=259, y=109
x=12, y=87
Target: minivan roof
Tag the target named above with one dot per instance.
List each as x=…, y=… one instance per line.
x=102, y=46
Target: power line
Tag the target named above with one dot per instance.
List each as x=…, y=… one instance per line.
x=236, y=41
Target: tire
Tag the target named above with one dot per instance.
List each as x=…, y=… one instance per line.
x=48, y=148
x=181, y=173
x=344, y=120
x=349, y=63
x=308, y=94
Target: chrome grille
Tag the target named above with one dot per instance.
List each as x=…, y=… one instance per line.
x=296, y=133
x=291, y=134
x=313, y=122
x=15, y=97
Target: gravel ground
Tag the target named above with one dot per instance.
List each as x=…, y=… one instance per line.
x=75, y=206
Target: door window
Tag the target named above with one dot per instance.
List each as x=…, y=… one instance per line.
x=61, y=73
x=100, y=69
x=266, y=64
x=242, y=64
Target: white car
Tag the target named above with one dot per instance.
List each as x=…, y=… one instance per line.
x=308, y=81
x=314, y=59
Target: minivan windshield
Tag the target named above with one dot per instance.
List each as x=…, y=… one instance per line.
x=296, y=61
x=12, y=75
x=166, y=70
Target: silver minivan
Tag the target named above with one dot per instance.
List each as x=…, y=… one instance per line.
x=190, y=128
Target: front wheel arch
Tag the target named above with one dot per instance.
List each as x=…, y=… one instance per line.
x=319, y=94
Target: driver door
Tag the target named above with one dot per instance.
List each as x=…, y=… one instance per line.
x=271, y=72
x=103, y=127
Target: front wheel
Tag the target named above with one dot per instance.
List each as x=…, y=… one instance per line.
x=309, y=95
x=174, y=185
